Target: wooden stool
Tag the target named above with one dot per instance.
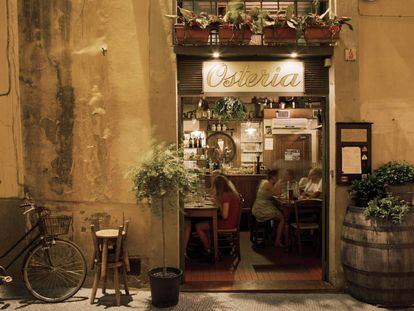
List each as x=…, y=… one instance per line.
x=103, y=259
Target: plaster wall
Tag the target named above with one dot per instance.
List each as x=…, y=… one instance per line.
x=11, y=168
x=344, y=107
x=387, y=75
x=376, y=88
x=98, y=88
x=11, y=160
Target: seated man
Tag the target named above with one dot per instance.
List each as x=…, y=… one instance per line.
x=313, y=188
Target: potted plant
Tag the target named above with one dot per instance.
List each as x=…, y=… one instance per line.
x=229, y=108
x=322, y=28
x=376, y=252
x=362, y=191
x=398, y=178
x=160, y=174
x=390, y=208
x=235, y=26
x=283, y=28
x=191, y=27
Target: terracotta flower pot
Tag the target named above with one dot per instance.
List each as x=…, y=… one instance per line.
x=321, y=35
x=230, y=35
x=273, y=35
x=187, y=35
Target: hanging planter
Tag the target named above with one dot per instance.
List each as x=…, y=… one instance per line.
x=230, y=108
x=274, y=35
x=191, y=35
x=228, y=34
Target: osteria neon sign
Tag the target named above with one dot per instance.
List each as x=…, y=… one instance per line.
x=250, y=76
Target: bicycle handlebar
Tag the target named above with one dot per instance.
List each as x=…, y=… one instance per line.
x=33, y=207
x=29, y=210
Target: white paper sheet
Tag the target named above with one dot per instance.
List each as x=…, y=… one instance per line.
x=268, y=143
x=351, y=160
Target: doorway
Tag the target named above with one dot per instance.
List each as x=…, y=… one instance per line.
x=263, y=267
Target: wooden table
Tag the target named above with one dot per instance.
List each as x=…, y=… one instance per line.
x=205, y=209
x=106, y=236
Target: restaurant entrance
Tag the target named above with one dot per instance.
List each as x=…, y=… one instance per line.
x=268, y=148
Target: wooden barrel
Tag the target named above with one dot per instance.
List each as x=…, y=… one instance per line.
x=378, y=259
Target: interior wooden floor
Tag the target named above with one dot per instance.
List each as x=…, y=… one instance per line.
x=261, y=269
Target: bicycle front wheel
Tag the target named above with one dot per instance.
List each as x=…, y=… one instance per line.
x=54, y=273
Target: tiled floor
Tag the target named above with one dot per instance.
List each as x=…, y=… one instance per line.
x=267, y=264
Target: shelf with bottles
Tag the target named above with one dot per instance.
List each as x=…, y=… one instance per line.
x=244, y=151
x=195, y=148
x=254, y=119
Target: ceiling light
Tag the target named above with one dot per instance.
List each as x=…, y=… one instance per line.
x=293, y=55
x=216, y=54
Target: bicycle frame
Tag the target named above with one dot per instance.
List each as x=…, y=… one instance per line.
x=29, y=245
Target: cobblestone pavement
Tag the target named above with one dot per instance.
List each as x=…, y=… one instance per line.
x=12, y=299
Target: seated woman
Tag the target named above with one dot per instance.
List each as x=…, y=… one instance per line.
x=313, y=188
x=228, y=201
x=281, y=185
x=264, y=208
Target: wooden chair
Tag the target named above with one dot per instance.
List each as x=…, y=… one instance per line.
x=230, y=238
x=115, y=260
x=307, y=218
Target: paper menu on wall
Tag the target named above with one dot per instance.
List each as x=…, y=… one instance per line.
x=351, y=160
x=268, y=144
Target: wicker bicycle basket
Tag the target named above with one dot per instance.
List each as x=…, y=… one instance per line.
x=56, y=225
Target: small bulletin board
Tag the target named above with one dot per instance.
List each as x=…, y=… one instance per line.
x=353, y=151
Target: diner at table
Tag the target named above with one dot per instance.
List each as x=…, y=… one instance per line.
x=264, y=208
x=224, y=215
x=276, y=199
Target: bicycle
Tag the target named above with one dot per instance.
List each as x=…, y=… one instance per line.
x=54, y=269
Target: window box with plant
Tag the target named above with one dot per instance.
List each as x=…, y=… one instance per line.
x=161, y=174
x=235, y=27
x=279, y=29
x=322, y=28
x=192, y=28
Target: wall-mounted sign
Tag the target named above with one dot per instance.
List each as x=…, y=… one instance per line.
x=233, y=77
x=353, y=151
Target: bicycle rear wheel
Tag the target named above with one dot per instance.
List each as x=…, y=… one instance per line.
x=54, y=273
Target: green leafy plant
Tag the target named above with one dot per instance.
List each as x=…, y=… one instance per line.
x=230, y=108
x=368, y=189
x=236, y=17
x=162, y=171
x=395, y=173
x=283, y=18
x=389, y=208
x=193, y=20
